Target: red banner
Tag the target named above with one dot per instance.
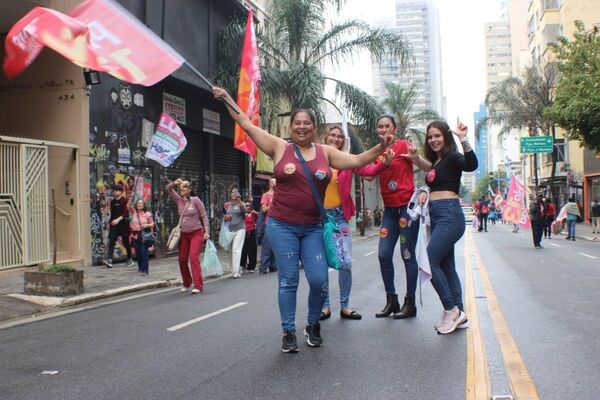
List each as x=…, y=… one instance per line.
x=248, y=98
x=99, y=35
x=514, y=209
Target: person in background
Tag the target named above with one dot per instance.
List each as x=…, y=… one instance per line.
x=267, y=258
x=194, y=231
x=397, y=186
x=444, y=165
x=141, y=221
x=248, y=260
x=493, y=216
x=295, y=227
x=119, y=225
x=484, y=211
x=536, y=216
x=235, y=212
x=338, y=203
x=570, y=212
x=549, y=215
x=595, y=212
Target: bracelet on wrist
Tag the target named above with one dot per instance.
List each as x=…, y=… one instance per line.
x=464, y=140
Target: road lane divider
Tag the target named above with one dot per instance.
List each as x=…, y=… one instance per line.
x=369, y=253
x=520, y=381
x=477, y=376
x=587, y=255
x=207, y=316
x=554, y=244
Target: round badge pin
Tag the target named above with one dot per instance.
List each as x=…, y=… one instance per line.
x=289, y=168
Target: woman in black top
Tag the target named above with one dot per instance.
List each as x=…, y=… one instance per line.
x=444, y=166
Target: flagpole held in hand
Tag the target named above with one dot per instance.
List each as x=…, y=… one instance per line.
x=209, y=83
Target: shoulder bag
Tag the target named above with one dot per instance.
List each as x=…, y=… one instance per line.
x=175, y=234
x=148, y=235
x=335, y=250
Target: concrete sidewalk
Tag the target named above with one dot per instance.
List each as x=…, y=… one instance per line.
x=101, y=283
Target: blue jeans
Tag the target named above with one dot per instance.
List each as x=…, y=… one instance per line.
x=267, y=258
x=571, y=227
x=447, y=227
x=141, y=253
x=344, y=274
x=291, y=243
x=394, y=225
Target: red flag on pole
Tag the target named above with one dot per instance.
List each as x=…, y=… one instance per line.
x=248, y=98
x=97, y=34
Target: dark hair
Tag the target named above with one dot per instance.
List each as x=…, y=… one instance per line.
x=118, y=187
x=310, y=113
x=449, y=144
x=572, y=199
x=391, y=117
x=548, y=201
x=144, y=208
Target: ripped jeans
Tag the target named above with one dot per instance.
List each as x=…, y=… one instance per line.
x=395, y=224
x=291, y=243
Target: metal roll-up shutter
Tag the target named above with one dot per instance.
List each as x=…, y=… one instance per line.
x=228, y=160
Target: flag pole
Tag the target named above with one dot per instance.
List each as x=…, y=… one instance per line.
x=209, y=83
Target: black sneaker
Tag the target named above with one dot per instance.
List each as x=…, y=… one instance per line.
x=289, y=344
x=313, y=335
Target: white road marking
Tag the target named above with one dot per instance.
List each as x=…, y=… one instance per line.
x=555, y=245
x=202, y=318
x=587, y=255
x=369, y=253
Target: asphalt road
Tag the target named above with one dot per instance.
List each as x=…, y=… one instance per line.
x=548, y=298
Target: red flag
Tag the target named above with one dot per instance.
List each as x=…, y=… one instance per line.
x=97, y=34
x=248, y=98
x=515, y=210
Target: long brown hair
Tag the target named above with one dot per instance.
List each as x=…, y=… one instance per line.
x=449, y=144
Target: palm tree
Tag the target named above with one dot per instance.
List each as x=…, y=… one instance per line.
x=400, y=102
x=295, y=44
x=519, y=103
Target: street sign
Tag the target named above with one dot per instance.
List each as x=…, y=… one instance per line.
x=537, y=144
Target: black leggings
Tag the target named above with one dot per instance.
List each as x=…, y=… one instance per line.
x=113, y=234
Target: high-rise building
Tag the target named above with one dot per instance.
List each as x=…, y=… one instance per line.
x=417, y=22
x=481, y=144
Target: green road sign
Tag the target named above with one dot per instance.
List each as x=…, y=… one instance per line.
x=537, y=144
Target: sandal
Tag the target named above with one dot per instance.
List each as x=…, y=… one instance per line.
x=352, y=315
x=325, y=315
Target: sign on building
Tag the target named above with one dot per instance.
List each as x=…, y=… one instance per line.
x=175, y=107
x=537, y=144
x=211, y=121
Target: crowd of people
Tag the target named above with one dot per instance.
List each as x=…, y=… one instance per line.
x=311, y=184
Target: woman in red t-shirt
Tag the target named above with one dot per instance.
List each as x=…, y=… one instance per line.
x=248, y=259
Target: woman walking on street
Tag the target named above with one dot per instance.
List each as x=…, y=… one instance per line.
x=141, y=221
x=235, y=213
x=338, y=203
x=445, y=165
x=295, y=227
x=549, y=215
x=571, y=212
x=397, y=186
x=194, y=231
x=248, y=260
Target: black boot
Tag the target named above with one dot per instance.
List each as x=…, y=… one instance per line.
x=391, y=307
x=408, y=310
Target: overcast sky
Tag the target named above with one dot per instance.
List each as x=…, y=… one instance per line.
x=463, y=53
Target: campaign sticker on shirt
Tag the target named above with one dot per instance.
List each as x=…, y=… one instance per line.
x=403, y=222
x=430, y=177
x=289, y=168
x=393, y=186
x=320, y=174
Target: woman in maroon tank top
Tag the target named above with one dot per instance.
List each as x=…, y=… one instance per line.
x=294, y=227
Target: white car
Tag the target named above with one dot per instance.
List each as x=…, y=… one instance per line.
x=469, y=213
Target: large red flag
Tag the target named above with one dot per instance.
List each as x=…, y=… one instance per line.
x=514, y=209
x=248, y=98
x=97, y=34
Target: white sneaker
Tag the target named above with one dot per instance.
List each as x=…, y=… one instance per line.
x=184, y=289
x=235, y=276
x=450, y=320
x=194, y=291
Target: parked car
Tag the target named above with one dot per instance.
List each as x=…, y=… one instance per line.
x=469, y=213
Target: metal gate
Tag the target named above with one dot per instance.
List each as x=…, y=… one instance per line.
x=24, y=225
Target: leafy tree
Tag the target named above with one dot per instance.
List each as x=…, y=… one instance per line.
x=400, y=102
x=576, y=105
x=481, y=189
x=521, y=103
x=295, y=44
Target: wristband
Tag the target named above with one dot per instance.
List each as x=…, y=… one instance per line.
x=464, y=140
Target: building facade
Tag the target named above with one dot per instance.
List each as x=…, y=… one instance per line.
x=61, y=134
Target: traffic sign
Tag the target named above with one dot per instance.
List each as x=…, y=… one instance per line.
x=537, y=144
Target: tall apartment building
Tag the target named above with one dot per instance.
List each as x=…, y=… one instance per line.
x=481, y=144
x=417, y=21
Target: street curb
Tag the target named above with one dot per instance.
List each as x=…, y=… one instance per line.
x=363, y=238
x=48, y=301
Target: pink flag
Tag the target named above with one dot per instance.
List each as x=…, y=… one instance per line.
x=97, y=34
x=515, y=210
x=248, y=98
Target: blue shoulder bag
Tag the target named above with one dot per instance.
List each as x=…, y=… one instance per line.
x=332, y=239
